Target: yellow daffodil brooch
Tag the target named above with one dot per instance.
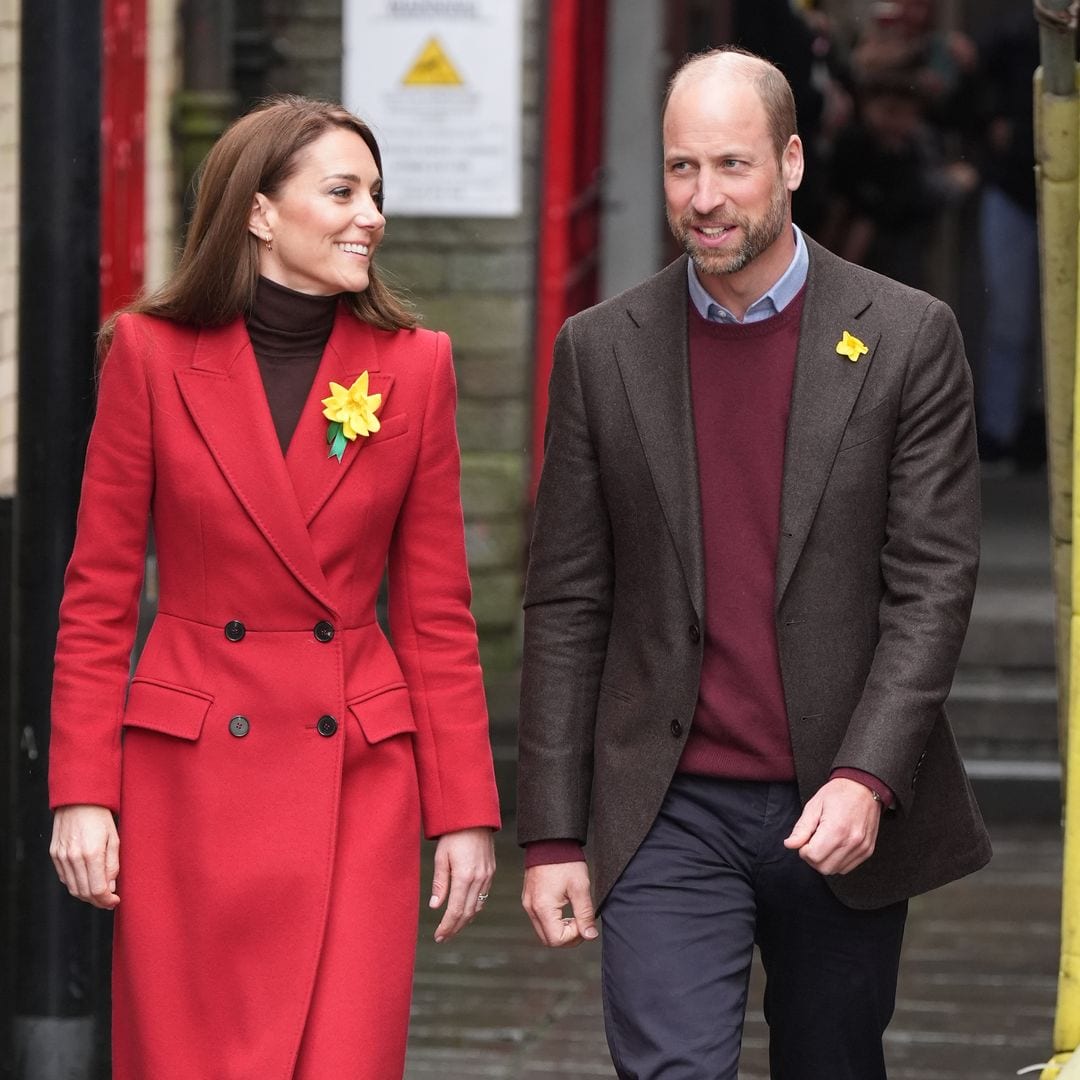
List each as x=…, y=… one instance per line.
x=851, y=347
x=350, y=412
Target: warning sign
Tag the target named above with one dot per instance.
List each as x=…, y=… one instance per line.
x=440, y=83
x=432, y=68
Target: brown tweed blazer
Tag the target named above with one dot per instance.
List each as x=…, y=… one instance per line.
x=874, y=576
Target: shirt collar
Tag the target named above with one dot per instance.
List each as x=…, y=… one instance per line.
x=771, y=303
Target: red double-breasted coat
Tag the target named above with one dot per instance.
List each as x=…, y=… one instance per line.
x=273, y=757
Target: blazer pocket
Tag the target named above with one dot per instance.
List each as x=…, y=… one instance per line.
x=864, y=426
x=171, y=710
x=383, y=712
x=391, y=428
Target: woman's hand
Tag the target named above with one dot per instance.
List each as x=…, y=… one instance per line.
x=464, y=867
x=85, y=850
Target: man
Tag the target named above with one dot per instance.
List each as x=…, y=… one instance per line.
x=754, y=553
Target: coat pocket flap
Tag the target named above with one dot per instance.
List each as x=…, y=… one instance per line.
x=172, y=710
x=384, y=712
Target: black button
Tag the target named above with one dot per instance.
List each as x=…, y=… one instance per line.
x=239, y=726
x=676, y=728
x=323, y=631
x=327, y=725
x=235, y=630
x=695, y=633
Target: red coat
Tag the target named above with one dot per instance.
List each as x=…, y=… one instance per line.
x=273, y=756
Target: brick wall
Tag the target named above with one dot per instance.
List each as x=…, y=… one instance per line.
x=307, y=41
x=9, y=237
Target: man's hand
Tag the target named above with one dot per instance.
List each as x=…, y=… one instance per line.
x=838, y=827
x=547, y=890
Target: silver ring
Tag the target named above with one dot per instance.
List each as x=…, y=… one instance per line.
x=482, y=897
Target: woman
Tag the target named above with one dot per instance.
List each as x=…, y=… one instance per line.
x=275, y=411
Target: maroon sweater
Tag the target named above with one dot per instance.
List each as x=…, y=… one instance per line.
x=741, y=376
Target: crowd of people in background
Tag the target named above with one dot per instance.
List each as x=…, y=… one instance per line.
x=908, y=124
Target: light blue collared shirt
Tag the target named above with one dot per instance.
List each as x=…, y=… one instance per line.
x=772, y=303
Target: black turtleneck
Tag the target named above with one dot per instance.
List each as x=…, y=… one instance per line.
x=289, y=331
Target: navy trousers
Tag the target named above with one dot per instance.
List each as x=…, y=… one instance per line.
x=711, y=880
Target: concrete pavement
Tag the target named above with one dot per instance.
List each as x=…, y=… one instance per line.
x=975, y=1001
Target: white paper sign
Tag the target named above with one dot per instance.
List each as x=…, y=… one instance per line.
x=439, y=81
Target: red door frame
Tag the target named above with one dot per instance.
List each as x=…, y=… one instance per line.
x=573, y=151
x=123, y=152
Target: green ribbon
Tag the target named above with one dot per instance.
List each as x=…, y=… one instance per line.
x=335, y=436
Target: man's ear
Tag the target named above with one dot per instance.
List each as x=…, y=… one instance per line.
x=791, y=163
x=259, y=220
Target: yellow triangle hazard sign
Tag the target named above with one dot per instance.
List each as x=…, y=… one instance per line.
x=433, y=68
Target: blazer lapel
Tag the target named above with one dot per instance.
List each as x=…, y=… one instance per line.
x=822, y=397
x=351, y=350
x=224, y=393
x=654, y=359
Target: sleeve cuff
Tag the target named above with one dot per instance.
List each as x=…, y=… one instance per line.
x=546, y=852
x=880, y=789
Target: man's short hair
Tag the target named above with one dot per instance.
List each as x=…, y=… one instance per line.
x=772, y=87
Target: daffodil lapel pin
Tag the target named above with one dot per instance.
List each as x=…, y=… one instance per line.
x=351, y=412
x=851, y=347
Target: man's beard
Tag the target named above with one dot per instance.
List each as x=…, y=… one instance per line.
x=757, y=234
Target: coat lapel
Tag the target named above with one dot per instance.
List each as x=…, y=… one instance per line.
x=822, y=397
x=224, y=393
x=654, y=359
x=352, y=349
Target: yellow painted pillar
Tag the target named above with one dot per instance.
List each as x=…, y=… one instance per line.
x=1057, y=137
x=1067, y=1016
x=1057, y=120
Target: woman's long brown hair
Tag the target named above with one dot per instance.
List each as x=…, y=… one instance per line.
x=215, y=280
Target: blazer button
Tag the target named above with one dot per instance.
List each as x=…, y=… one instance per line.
x=326, y=726
x=239, y=726
x=676, y=728
x=695, y=633
x=235, y=630
x=323, y=631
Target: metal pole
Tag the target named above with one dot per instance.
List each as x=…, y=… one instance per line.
x=561, y=82
x=7, y=807
x=1057, y=45
x=58, y=1026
